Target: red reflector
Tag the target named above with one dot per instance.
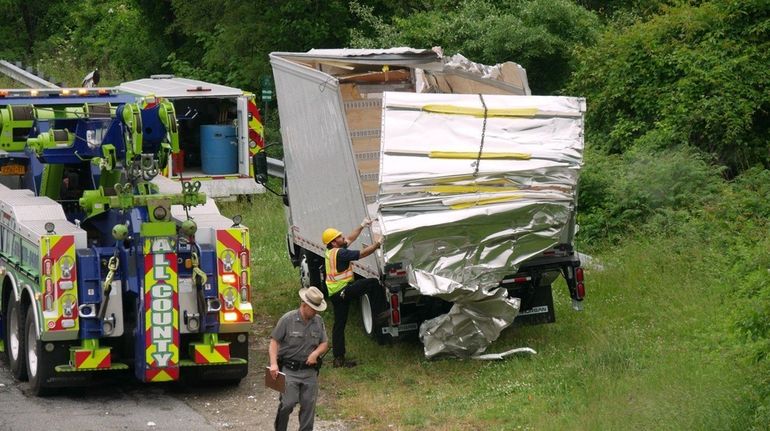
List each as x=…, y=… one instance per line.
x=394, y=300
x=396, y=317
x=244, y=260
x=47, y=265
x=581, y=291
x=579, y=274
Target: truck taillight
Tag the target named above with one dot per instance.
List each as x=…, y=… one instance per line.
x=581, y=289
x=395, y=314
x=244, y=286
x=244, y=259
x=47, y=266
x=48, y=286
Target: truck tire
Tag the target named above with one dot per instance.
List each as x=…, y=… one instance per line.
x=370, y=309
x=311, y=271
x=38, y=363
x=15, y=336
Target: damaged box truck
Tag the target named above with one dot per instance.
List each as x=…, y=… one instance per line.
x=470, y=180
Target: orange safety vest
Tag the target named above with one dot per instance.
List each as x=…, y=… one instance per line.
x=335, y=281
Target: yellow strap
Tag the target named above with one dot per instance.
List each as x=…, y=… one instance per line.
x=479, y=112
x=480, y=202
x=471, y=189
x=475, y=155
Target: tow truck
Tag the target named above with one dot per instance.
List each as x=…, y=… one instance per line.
x=105, y=265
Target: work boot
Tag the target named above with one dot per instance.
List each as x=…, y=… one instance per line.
x=342, y=363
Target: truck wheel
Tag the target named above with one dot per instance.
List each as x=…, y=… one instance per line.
x=304, y=271
x=370, y=310
x=38, y=366
x=311, y=271
x=15, y=336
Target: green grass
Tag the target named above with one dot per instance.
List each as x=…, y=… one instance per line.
x=651, y=350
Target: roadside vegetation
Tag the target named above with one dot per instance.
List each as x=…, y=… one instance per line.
x=674, y=195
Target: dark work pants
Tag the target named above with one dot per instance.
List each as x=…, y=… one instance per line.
x=302, y=389
x=341, y=302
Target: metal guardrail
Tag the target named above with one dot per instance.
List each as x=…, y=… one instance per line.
x=20, y=75
x=275, y=168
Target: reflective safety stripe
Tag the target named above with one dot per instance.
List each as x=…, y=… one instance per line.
x=335, y=281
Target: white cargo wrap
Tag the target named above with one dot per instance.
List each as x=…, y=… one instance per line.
x=470, y=187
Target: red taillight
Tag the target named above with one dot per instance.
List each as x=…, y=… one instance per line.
x=581, y=289
x=47, y=266
x=244, y=279
x=48, y=286
x=244, y=259
x=395, y=315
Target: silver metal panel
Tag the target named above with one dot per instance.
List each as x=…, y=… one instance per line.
x=28, y=215
x=401, y=56
x=316, y=144
x=244, y=162
x=177, y=88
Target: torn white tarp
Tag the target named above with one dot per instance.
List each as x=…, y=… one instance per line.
x=471, y=186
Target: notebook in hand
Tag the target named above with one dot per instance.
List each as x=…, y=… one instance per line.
x=278, y=383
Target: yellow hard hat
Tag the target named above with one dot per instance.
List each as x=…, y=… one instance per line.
x=329, y=235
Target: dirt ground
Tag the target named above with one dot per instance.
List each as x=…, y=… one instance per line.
x=249, y=406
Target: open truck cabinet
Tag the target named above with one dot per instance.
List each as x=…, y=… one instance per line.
x=330, y=104
x=200, y=105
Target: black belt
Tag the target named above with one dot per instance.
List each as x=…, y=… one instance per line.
x=297, y=365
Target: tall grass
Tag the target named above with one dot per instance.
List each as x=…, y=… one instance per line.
x=651, y=350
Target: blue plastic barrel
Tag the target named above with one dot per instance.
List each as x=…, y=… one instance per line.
x=219, y=150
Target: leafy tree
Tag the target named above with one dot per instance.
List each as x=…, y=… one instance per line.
x=115, y=35
x=237, y=36
x=541, y=35
x=695, y=76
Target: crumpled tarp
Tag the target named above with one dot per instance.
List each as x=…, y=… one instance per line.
x=461, y=217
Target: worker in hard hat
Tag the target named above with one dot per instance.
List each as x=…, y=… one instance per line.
x=342, y=286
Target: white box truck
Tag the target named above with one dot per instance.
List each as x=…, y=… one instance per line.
x=342, y=123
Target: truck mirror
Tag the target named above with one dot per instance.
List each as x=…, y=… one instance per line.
x=260, y=167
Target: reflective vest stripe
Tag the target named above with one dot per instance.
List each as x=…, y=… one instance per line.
x=335, y=281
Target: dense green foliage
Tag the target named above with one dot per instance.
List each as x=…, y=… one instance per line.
x=678, y=121
x=695, y=76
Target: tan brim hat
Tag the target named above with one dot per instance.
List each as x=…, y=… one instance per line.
x=313, y=298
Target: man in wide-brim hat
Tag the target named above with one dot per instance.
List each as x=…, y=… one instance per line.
x=296, y=345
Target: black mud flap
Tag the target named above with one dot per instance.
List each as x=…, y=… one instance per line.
x=536, y=304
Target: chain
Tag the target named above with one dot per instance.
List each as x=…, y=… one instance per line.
x=483, y=135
